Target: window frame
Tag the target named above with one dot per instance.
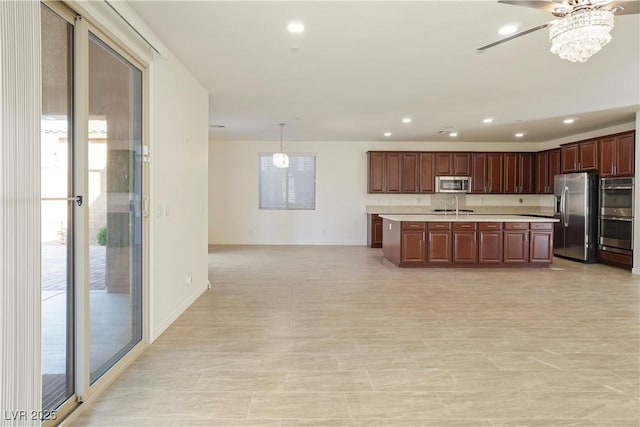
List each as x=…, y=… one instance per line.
x=286, y=207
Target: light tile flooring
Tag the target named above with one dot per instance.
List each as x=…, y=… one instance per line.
x=335, y=336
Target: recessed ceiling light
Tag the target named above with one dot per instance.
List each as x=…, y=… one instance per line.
x=519, y=135
x=505, y=30
x=406, y=120
x=568, y=121
x=453, y=134
x=387, y=134
x=295, y=27
x=488, y=120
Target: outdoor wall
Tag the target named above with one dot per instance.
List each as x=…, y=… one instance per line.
x=178, y=208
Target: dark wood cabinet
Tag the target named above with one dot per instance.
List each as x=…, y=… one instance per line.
x=580, y=157
x=427, y=173
x=376, y=173
x=413, y=247
x=490, y=245
x=410, y=172
x=518, y=173
x=374, y=231
x=516, y=242
x=465, y=246
x=542, y=172
x=393, y=168
x=479, y=173
x=453, y=164
x=541, y=243
x=487, y=174
x=616, y=155
x=555, y=167
x=439, y=243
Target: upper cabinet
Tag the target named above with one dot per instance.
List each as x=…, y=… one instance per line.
x=453, y=164
x=385, y=172
x=518, y=173
x=580, y=157
x=427, y=173
x=546, y=167
x=479, y=172
x=616, y=155
x=410, y=173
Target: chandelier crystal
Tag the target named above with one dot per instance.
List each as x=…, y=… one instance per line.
x=281, y=159
x=581, y=34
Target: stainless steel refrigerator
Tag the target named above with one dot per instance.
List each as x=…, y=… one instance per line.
x=576, y=206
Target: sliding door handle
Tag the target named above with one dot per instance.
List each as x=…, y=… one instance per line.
x=76, y=199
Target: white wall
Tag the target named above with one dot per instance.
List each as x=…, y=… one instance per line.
x=341, y=192
x=178, y=208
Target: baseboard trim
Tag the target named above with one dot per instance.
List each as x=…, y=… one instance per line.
x=176, y=313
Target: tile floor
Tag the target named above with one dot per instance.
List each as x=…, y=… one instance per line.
x=335, y=336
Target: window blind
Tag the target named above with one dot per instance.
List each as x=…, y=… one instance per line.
x=288, y=188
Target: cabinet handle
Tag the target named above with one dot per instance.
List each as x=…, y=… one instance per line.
x=474, y=236
x=429, y=237
x=579, y=166
x=481, y=237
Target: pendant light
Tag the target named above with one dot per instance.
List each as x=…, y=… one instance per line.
x=281, y=160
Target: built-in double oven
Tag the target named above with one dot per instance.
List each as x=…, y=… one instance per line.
x=616, y=215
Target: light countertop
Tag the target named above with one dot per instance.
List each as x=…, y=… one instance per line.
x=463, y=217
x=426, y=209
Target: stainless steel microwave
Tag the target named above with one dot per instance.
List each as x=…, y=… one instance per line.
x=453, y=184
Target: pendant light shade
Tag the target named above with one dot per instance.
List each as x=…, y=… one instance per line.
x=281, y=160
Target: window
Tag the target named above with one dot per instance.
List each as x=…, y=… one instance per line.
x=288, y=188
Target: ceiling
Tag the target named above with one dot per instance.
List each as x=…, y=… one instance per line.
x=360, y=67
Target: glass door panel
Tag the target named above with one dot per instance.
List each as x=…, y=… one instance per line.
x=114, y=203
x=56, y=211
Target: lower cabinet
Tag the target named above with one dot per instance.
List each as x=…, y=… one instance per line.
x=483, y=244
x=413, y=247
x=516, y=243
x=374, y=231
x=439, y=243
x=490, y=246
x=465, y=245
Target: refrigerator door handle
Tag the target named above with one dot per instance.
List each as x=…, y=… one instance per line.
x=565, y=217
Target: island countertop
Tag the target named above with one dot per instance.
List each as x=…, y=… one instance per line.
x=463, y=217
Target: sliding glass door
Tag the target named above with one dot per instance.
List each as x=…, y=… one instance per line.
x=91, y=209
x=114, y=203
x=57, y=211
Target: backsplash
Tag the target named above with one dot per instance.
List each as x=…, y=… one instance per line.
x=440, y=201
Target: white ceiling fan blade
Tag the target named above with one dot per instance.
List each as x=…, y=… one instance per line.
x=520, y=34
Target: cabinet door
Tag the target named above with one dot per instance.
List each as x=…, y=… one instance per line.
x=542, y=173
x=541, y=247
x=479, y=173
x=516, y=247
x=410, y=169
x=439, y=247
x=393, y=167
x=374, y=232
x=413, y=247
x=555, y=167
x=625, y=155
x=465, y=247
x=606, y=156
x=525, y=173
x=461, y=164
x=588, y=156
x=376, y=173
x=570, y=158
x=427, y=175
x=495, y=172
x=490, y=247
x=510, y=173
x=444, y=164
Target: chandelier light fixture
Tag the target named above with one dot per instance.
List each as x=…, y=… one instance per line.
x=281, y=160
x=580, y=34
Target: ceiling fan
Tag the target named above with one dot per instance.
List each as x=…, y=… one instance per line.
x=582, y=27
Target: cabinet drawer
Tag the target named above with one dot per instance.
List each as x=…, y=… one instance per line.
x=439, y=226
x=467, y=226
x=490, y=225
x=541, y=226
x=516, y=225
x=412, y=225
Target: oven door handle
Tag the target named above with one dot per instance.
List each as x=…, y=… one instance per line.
x=617, y=187
x=617, y=218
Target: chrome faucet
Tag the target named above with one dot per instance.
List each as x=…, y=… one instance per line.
x=456, y=197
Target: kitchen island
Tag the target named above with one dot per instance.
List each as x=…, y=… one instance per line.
x=468, y=240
